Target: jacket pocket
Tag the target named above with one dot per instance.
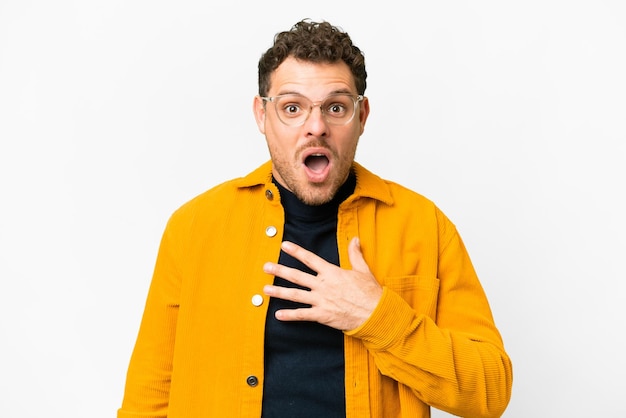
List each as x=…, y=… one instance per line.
x=421, y=292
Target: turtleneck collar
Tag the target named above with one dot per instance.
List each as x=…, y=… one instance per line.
x=295, y=208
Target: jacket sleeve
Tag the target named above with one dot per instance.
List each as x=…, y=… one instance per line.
x=146, y=394
x=454, y=360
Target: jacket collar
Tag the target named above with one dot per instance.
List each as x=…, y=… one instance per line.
x=368, y=184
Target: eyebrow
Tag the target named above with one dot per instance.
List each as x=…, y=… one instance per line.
x=296, y=93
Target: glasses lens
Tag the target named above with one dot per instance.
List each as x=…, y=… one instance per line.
x=294, y=110
x=338, y=108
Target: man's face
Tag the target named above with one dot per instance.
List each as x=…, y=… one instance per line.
x=312, y=160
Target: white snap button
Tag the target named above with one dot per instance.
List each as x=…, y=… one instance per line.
x=257, y=300
x=271, y=231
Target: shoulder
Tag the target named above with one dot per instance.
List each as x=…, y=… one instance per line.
x=389, y=192
x=401, y=202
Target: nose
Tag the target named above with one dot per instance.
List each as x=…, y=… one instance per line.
x=316, y=124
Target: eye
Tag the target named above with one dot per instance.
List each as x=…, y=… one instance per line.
x=291, y=109
x=291, y=106
x=336, y=108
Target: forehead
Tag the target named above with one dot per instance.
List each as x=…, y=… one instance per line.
x=314, y=80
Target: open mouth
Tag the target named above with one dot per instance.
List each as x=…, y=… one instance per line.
x=316, y=162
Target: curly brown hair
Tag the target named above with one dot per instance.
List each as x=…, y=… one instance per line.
x=318, y=42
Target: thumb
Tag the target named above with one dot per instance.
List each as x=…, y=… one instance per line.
x=356, y=256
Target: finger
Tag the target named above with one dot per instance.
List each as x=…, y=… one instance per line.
x=288, y=273
x=311, y=260
x=298, y=314
x=356, y=256
x=289, y=293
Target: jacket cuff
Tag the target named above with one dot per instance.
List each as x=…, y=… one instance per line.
x=387, y=324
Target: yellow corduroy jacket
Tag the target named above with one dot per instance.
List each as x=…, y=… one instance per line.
x=431, y=340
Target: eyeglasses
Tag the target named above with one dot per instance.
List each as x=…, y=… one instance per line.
x=294, y=109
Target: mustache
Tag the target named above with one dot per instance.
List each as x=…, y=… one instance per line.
x=315, y=143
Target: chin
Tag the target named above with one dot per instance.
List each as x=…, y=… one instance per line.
x=316, y=195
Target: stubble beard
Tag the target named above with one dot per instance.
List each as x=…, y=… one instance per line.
x=312, y=194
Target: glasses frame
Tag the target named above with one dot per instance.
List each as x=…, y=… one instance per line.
x=355, y=98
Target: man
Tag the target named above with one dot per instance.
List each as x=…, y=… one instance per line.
x=311, y=287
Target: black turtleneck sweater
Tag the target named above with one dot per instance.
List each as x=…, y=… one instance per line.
x=304, y=361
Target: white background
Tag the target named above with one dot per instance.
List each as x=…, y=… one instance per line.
x=509, y=115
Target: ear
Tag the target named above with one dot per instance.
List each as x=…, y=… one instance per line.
x=364, y=111
x=258, y=108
